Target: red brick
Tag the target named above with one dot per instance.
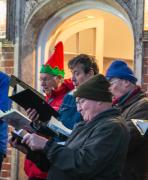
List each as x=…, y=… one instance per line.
x=145, y=78
x=145, y=44
x=7, y=49
x=6, y=166
x=145, y=70
x=145, y=64
x=5, y=173
x=8, y=55
x=8, y=63
x=145, y=60
x=146, y=52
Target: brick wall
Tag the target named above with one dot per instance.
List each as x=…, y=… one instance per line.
x=6, y=65
x=145, y=67
x=6, y=58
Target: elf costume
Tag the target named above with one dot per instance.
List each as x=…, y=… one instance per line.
x=54, y=66
x=55, y=63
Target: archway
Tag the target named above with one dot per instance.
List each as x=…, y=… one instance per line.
x=54, y=15
x=91, y=32
x=106, y=24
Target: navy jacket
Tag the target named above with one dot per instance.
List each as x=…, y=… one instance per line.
x=69, y=115
x=5, y=105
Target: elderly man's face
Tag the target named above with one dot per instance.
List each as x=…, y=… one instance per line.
x=118, y=87
x=48, y=82
x=87, y=108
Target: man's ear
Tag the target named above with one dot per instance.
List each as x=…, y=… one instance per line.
x=127, y=83
x=91, y=73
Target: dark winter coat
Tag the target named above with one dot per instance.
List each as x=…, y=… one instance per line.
x=55, y=100
x=95, y=151
x=137, y=160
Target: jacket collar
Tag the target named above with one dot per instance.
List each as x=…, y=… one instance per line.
x=129, y=98
x=108, y=113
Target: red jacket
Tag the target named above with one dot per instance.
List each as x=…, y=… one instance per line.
x=55, y=100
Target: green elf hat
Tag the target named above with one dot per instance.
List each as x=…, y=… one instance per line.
x=55, y=63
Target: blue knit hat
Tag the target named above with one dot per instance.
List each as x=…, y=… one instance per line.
x=119, y=69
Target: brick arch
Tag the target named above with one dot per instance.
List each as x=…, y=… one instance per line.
x=51, y=8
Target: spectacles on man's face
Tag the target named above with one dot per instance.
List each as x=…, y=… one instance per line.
x=47, y=79
x=113, y=81
x=80, y=101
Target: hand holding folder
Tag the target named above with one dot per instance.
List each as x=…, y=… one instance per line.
x=28, y=99
x=19, y=121
x=16, y=141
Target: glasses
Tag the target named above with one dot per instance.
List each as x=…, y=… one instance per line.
x=113, y=81
x=46, y=80
x=80, y=101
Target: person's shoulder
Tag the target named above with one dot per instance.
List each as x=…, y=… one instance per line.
x=142, y=102
x=138, y=102
x=136, y=110
x=111, y=125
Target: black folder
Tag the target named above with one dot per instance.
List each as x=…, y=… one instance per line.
x=28, y=99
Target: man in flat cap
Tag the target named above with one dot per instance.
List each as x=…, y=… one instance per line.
x=97, y=147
